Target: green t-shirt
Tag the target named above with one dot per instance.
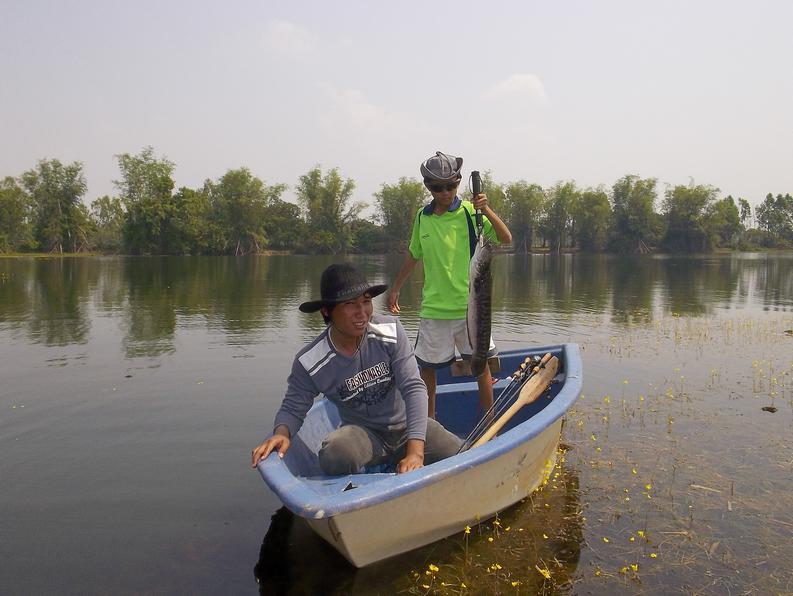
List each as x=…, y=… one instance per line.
x=441, y=242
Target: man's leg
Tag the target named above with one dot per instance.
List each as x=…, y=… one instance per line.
x=440, y=443
x=428, y=376
x=485, y=382
x=434, y=348
x=348, y=449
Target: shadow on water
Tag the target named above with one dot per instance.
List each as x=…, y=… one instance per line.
x=542, y=532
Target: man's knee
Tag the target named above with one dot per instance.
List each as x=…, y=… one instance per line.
x=344, y=452
x=336, y=458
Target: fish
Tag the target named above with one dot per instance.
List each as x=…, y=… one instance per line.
x=480, y=304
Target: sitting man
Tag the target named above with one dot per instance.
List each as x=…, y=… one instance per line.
x=364, y=364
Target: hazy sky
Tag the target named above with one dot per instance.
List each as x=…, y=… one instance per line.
x=540, y=91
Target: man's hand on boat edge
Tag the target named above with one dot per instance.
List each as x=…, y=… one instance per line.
x=414, y=458
x=278, y=442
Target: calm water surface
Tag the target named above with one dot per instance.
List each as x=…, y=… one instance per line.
x=132, y=389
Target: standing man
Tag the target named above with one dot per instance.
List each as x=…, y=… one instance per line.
x=443, y=238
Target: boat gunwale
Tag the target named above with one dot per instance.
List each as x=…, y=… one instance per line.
x=303, y=501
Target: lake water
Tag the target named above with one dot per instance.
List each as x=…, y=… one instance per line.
x=132, y=390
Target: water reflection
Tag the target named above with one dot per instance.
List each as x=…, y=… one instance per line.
x=47, y=298
x=254, y=299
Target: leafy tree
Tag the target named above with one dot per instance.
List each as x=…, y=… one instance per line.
x=635, y=221
x=397, y=205
x=16, y=217
x=240, y=203
x=754, y=238
x=524, y=205
x=684, y=207
x=85, y=228
x=775, y=216
x=329, y=216
x=283, y=226
x=367, y=236
x=57, y=191
x=145, y=189
x=558, y=221
x=108, y=216
x=594, y=218
x=746, y=211
x=722, y=222
x=185, y=229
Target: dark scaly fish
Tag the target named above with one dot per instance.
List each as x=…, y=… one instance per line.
x=480, y=301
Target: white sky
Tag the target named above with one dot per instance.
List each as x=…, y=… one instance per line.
x=541, y=91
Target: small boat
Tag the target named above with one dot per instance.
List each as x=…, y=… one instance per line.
x=372, y=516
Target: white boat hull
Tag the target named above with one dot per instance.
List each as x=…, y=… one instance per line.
x=444, y=508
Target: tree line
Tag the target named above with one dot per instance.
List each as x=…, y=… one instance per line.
x=42, y=210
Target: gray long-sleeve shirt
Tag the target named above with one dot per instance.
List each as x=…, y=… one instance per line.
x=378, y=387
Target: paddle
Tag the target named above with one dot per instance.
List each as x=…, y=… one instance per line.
x=527, y=368
x=542, y=376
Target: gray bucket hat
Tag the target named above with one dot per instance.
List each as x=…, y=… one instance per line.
x=441, y=167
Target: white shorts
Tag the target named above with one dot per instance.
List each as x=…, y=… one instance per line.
x=437, y=339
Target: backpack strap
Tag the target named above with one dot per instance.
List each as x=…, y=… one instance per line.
x=471, y=233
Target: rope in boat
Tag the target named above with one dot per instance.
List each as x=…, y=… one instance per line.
x=527, y=369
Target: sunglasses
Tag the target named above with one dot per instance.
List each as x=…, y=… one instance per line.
x=442, y=187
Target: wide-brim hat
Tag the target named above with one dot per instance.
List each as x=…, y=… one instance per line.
x=441, y=167
x=341, y=282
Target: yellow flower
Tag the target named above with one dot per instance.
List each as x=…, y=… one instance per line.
x=433, y=567
x=623, y=570
x=634, y=566
x=640, y=533
x=648, y=486
x=544, y=572
x=633, y=470
x=467, y=529
x=545, y=536
x=490, y=539
x=653, y=555
x=606, y=540
x=606, y=400
x=594, y=438
x=631, y=539
x=597, y=572
x=462, y=585
x=515, y=584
